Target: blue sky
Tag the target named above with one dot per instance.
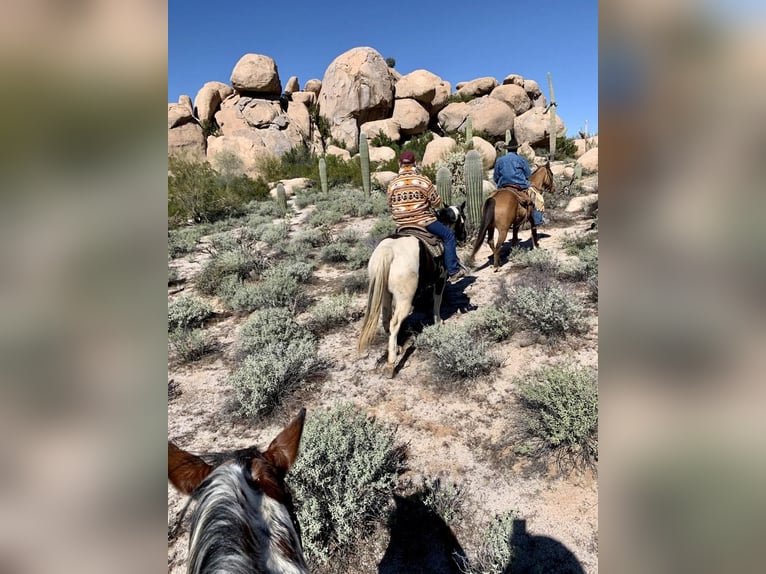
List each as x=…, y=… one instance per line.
x=457, y=41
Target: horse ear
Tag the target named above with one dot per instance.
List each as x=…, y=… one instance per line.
x=186, y=471
x=283, y=450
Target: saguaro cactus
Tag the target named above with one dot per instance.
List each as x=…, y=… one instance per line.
x=323, y=174
x=473, y=187
x=444, y=184
x=282, y=198
x=468, y=129
x=364, y=159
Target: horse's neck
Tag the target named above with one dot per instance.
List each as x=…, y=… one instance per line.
x=238, y=529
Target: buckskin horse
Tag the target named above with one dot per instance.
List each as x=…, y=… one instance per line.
x=400, y=267
x=244, y=522
x=509, y=207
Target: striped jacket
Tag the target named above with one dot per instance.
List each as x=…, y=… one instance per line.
x=412, y=198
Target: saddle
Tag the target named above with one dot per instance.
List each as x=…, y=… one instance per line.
x=430, y=241
x=522, y=194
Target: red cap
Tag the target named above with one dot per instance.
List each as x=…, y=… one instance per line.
x=407, y=158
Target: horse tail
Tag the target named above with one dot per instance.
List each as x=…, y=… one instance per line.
x=487, y=217
x=378, y=269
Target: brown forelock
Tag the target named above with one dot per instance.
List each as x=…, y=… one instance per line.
x=186, y=471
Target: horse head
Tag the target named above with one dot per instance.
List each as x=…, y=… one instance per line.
x=244, y=520
x=453, y=217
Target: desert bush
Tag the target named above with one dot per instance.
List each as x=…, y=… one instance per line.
x=272, y=233
x=355, y=282
x=325, y=217
x=561, y=410
x=359, y=255
x=343, y=479
x=494, y=322
x=455, y=162
x=383, y=227
x=585, y=268
x=455, y=354
x=573, y=244
x=331, y=312
x=266, y=327
x=187, y=312
x=238, y=264
x=281, y=286
x=457, y=97
x=312, y=237
x=536, y=259
x=496, y=548
x=183, y=240
x=191, y=345
x=334, y=252
x=443, y=499
x=267, y=376
x=549, y=310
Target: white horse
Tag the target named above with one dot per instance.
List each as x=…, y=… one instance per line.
x=398, y=268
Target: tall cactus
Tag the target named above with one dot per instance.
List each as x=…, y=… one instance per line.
x=364, y=158
x=468, y=130
x=323, y=174
x=444, y=184
x=282, y=198
x=473, y=172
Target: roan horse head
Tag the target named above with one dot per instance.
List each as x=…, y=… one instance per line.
x=244, y=520
x=454, y=217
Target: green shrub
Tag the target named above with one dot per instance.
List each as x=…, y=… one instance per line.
x=191, y=345
x=585, y=268
x=359, y=256
x=331, y=312
x=355, y=282
x=383, y=227
x=335, y=252
x=548, y=310
x=313, y=237
x=325, y=218
x=210, y=128
x=457, y=98
x=280, y=287
x=536, y=259
x=574, y=244
x=455, y=354
x=266, y=377
x=187, y=312
x=238, y=264
x=561, y=410
x=455, y=162
x=444, y=500
x=417, y=145
x=343, y=479
x=266, y=327
x=496, y=550
x=272, y=233
x=494, y=322
x=183, y=240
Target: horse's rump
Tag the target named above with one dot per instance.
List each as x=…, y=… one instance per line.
x=429, y=240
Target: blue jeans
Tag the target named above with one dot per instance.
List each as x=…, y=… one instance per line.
x=538, y=217
x=450, y=245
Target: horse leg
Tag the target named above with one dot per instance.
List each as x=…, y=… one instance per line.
x=438, y=292
x=534, y=237
x=490, y=237
x=515, y=236
x=501, y=235
x=386, y=312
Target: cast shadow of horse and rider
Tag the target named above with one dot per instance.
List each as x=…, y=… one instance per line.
x=422, y=543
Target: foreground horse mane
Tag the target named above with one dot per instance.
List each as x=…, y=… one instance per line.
x=244, y=521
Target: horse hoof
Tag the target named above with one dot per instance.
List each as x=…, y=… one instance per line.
x=390, y=371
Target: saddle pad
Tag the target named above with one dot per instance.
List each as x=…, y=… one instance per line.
x=432, y=242
x=521, y=194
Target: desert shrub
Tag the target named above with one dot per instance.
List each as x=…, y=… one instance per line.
x=549, y=310
x=458, y=97
x=455, y=354
x=343, y=479
x=383, y=227
x=174, y=276
x=443, y=499
x=494, y=322
x=191, y=344
x=331, y=312
x=355, y=282
x=455, y=162
x=183, y=240
x=238, y=264
x=382, y=140
x=210, y=128
x=272, y=233
x=334, y=252
x=266, y=327
x=574, y=243
x=496, y=548
x=268, y=375
x=417, y=145
x=312, y=237
x=263, y=212
x=325, y=217
x=359, y=255
x=281, y=286
x=585, y=268
x=561, y=410
x=536, y=259
x=187, y=312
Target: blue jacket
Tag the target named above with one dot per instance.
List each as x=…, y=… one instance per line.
x=511, y=168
